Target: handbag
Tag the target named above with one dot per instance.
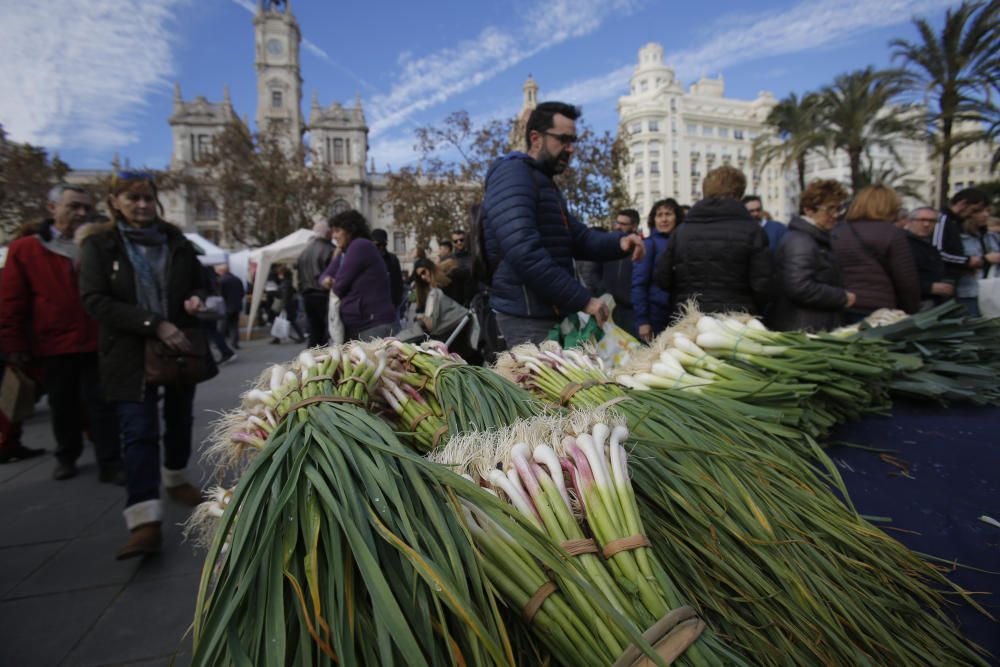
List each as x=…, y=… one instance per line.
x=17, y=395
x=989, y=293
x=165, y=366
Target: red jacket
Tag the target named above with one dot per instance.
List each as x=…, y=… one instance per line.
x=40, y=308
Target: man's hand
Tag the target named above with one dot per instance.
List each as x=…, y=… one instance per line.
x=942, y=289
x=645, y=332
x=173, y=337
x=193, y=305
x=326, y=282
x=975, y=262
x=993, y=258
x=18, y=359
x=599, y=310
x=633, y=243
x=852, y=298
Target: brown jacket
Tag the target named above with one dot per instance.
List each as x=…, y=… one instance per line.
x=877, y=265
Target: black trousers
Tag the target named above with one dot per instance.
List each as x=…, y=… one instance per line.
x=73, y=384
x=231, y=329
x=317, y=306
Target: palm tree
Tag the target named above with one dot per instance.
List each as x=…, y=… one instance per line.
x=859, y=112
x=794, y=123
x=955, y=69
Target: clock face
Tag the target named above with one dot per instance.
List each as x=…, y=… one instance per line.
x=274, y=47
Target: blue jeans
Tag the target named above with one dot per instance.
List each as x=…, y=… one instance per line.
x=139, y=422
x=516, y=330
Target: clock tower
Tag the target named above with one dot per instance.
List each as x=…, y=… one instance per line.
x=279, y=83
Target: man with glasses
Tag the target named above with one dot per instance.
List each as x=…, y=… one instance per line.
x=935, y=286
x=616, y=275
x=460, y=286
x=42, y=318
x=774, y=229
x=531, y=239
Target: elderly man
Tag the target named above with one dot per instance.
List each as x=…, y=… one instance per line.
x=531, y=239
x=311, y=265
x=935, y=286
x=42, y=317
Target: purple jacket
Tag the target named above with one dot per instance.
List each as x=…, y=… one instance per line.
x=361, y=280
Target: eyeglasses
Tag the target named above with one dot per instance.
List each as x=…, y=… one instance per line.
x=833, y=209
x=458, y=241
x=930, y=221
x=564, y=139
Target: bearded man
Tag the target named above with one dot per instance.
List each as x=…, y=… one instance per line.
x=531, y=238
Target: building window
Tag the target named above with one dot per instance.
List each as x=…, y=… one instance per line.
x=708, y=130
x=654, y=126
x=338, y=151
x=737, y=134
x=643, y=86
x=347, y=151
x=673, y=104
x=724, y=132
x=399, y=243
x=205, y=210
x=275, y=99
x=328, y=150
x=638, y=169
x=201, y=147
x=635, y=128
x=692, y=128
x=673, y=125
x=654, y=166
x=339, y=206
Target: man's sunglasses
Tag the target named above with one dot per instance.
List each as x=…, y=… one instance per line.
x=564, y=139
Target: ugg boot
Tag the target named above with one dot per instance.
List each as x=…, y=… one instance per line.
x=179, y=489
x=143, y=520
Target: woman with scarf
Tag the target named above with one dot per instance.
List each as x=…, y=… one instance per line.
x=141, y=280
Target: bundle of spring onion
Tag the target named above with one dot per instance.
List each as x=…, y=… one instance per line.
x=339, y=544
x=432, y=394
x=577, y=491
x=940, y=354
x=815, y=380
x=754, y=536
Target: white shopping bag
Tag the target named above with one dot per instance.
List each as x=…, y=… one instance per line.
x=989, y=293
x=334, y=323
x=281, y=328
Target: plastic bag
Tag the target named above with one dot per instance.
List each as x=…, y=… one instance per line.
x=281, y=328
x=989, y=294
x=333, y=322
x=614, y=345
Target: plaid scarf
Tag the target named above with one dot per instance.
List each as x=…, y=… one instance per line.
x=147, y=251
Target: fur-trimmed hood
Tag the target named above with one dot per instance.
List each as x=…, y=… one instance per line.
x=95, y=228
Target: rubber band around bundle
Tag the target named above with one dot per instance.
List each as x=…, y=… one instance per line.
x=321, y=399
x=625, y=544
x=448, y=364
x=319, y=378
x=579, y=547
x=356, y=378
x=416, y=422
x=570, y=390
x=739, y=339
x=437, y=436
x=536, y=601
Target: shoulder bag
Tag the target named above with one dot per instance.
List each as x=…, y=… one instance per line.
x=165, y=366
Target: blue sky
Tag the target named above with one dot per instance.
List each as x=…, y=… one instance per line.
x=95, y=77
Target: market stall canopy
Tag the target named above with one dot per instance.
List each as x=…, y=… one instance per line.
x=287, y=249
x=209, y=254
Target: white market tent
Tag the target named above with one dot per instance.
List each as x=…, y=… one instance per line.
x=283, y=250
x=211, y=254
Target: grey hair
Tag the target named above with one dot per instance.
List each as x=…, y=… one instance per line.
x=56, y=193
x=321, y=228
x=913, y=212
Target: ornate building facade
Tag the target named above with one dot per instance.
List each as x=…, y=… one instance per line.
x=336, y=135
x=675, y=136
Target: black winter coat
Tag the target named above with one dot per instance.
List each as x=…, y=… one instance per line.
x=807, y=279
x=930, y=267
x=532, y=240
x=719, y=257
x=107, y=286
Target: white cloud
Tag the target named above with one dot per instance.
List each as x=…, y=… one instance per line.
x=808, y=25
x=433, y=78
x=75, y=74
x=396, y=152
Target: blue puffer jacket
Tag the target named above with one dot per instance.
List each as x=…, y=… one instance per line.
x=532, y=240
x=651, y=303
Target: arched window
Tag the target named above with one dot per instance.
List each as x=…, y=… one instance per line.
x=339, y=206
x=205, y=209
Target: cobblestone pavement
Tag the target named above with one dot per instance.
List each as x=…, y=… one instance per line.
x=64, y=599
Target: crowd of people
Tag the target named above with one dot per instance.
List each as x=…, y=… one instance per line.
x=95, y=310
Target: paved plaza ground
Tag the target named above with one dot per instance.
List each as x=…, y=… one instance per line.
x=64, y=599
